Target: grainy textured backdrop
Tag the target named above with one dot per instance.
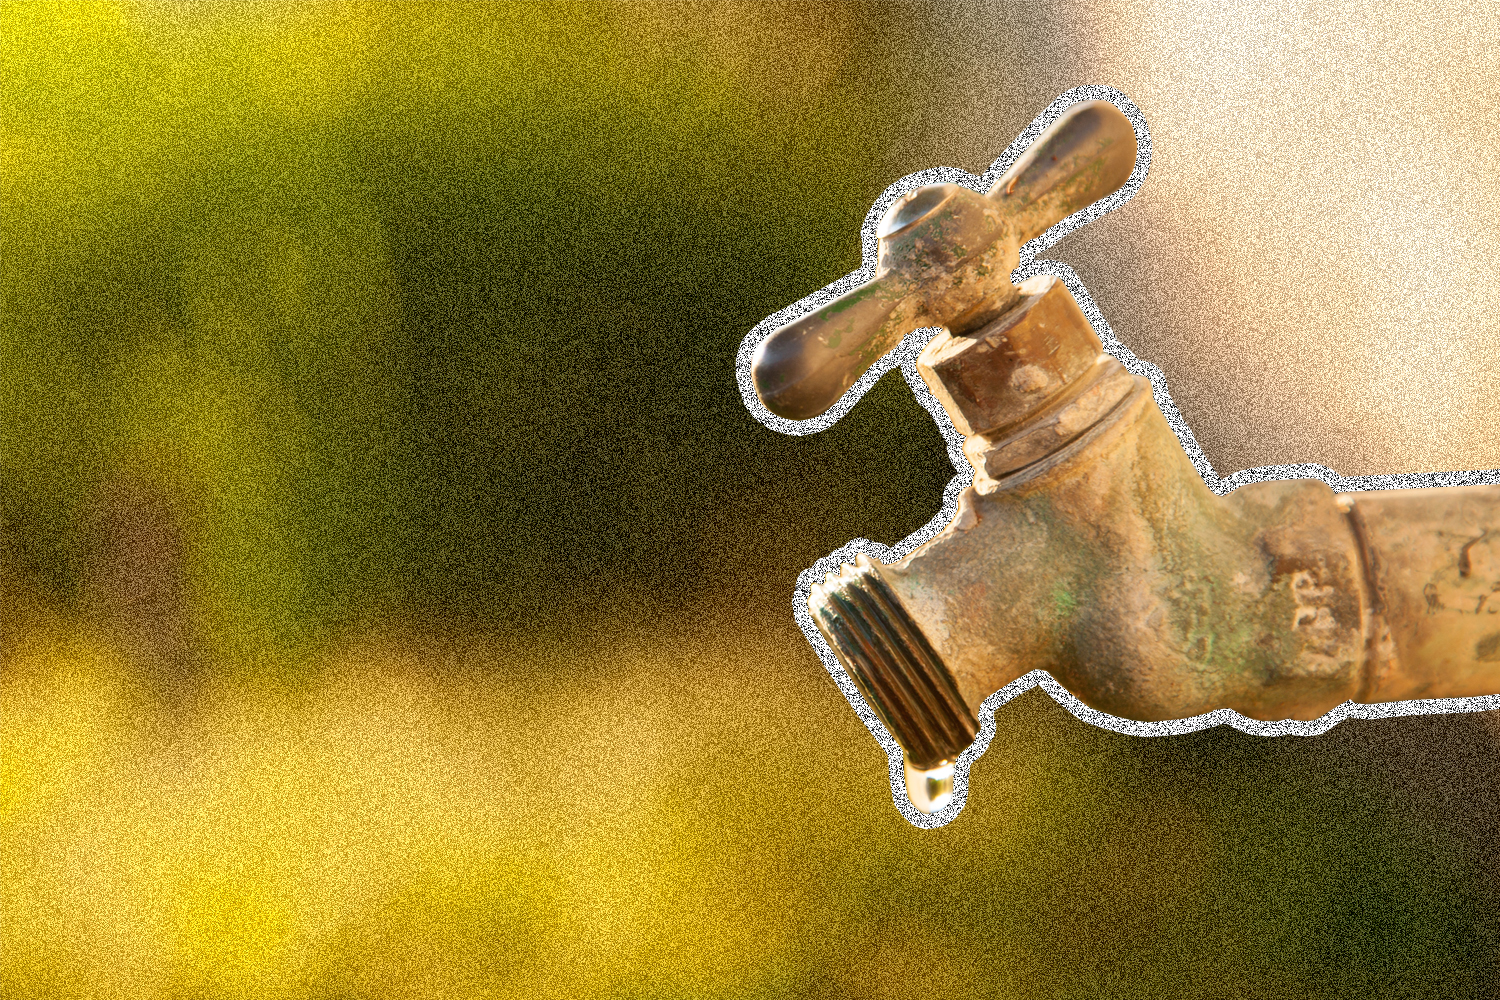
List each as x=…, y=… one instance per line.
x=397, y=590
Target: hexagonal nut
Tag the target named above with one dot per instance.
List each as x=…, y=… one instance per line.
x=1092, y=399
x=1016, y=365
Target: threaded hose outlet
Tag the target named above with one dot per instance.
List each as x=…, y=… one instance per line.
x=894, y=666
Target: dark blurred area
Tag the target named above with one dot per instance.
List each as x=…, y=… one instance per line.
x=432, y=313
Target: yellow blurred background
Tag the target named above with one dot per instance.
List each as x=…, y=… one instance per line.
x=397, y=592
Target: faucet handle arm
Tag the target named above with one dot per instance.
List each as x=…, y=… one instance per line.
x=804, y=367
x=945, y=259
x=1087, y=154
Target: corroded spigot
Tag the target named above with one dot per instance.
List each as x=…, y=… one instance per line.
x=946, y=254
x=1088, y=544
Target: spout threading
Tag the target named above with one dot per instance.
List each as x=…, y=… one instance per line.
x=896, y=669
x=912, y=672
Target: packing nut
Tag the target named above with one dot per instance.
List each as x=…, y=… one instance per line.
x=1020, y=364
x=1089, y=400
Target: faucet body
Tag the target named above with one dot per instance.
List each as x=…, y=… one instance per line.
x=1089, y=545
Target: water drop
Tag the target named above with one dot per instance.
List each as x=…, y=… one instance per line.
x=931, y=790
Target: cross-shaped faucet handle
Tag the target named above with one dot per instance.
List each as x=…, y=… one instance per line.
x=946, y=256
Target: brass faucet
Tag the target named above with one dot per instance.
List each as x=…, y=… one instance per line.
x=1088, y=544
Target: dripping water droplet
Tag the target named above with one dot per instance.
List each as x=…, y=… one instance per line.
x=931, y=790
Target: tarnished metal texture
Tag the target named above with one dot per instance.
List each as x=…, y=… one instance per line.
x=893, y=665
x=946, y=254
x=1112, y=565
x=1434, y=563
x=1089, y=545
x=1008, y=370
x=1087, y=401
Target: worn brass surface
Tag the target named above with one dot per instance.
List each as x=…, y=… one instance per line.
x=1112, y=565
x=1434, y=560
x=894, y=666
x=946, y=256
x=1089, y=545
x=1009, y=369
x=1088, y=400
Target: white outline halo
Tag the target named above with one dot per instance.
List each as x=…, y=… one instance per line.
x=904, y=356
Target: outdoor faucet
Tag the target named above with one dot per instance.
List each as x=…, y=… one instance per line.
x=1088, y=544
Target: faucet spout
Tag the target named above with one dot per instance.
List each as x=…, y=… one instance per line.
x=1089, y=545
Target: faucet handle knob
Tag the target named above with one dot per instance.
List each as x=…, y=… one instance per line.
x=945, y=258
